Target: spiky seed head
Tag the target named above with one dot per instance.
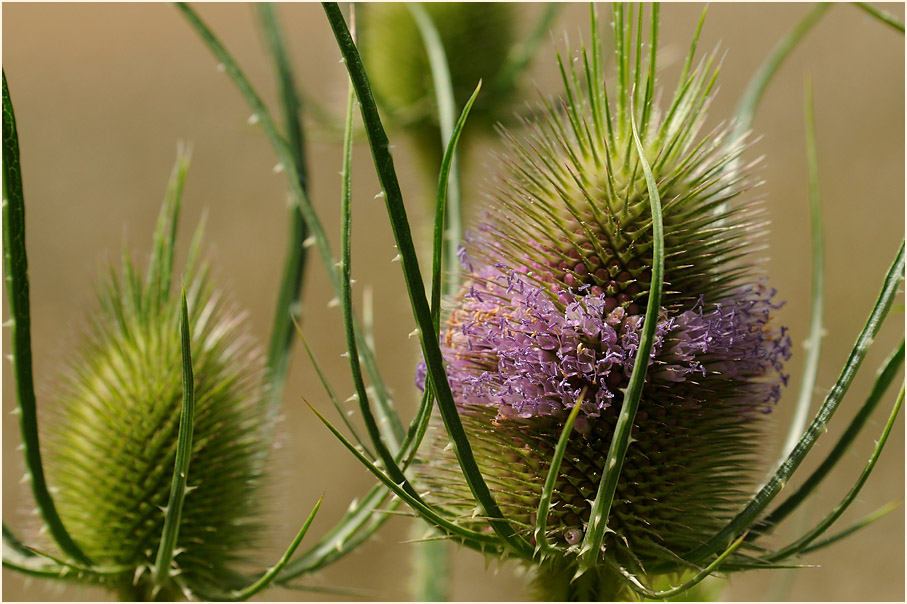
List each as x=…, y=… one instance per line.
x=558, y=275
x=113, y=440
x=477, y=38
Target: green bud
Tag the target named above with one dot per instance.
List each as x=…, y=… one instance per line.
x=477, y=39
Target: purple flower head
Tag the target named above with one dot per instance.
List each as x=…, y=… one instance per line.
x=558, y=272
x=513, y=346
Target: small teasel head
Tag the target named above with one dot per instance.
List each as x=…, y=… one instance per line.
x=113, y=440
x=559, y=270
x=477, y=37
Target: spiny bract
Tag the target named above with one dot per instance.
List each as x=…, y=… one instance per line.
x=113, y=442
x=558, y=273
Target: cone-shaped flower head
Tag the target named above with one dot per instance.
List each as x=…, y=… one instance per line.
x=113, y=444
x=558, y=274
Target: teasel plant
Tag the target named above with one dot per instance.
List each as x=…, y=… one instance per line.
x=579, y=271
x=465, y=488
x=159, y=447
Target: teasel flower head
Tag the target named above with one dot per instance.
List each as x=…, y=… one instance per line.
x=558, y=274
x=113, y=440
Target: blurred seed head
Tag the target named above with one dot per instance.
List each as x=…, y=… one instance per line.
x=477, y=39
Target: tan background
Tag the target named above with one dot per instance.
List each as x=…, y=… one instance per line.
x=103, y=93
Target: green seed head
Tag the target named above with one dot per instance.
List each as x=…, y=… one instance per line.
x=113, y=443
x=477, y=38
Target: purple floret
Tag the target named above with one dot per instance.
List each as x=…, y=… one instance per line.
x=527, y=351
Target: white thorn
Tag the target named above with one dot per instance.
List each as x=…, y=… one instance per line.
x=278, y=168
x=253, y=119
x=397, y=258
x=379, y=195
x=221, y=67
x=339, y=264
x=414, y=333
x=352, y=281
x=334, y=303
x=15, y=411
x=346, y=354
x=352, y=397
x=309, y=241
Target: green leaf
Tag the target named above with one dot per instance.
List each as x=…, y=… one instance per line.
x=833, y=399
x=285, y=155
x=330, y=391
x=447, y=167
x=448, y=206
x=541, y=522
x=814, y=340
x=862, y=523
x=11, y=541
x=272, y=573
x=160, y=268
x=289, y=298
x=820, y=528
x=474, y=538
x=346, y=303
x=358, y=524
x=384, y=165
x=521, y=55
x=686, y=585
x=749, y=101
x=620, y=442
x=881, y=16
x=166, y=551
x=15, y=267
x=886, y=374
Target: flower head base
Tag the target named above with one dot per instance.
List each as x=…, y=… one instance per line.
x=551, y=313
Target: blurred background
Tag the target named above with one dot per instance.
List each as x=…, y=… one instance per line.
x=103, y=93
